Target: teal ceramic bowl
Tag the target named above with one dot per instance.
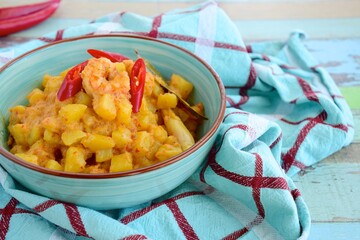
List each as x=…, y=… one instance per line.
x=111, y=190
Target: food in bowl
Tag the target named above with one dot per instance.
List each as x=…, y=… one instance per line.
x=106, y=114
x=110, y=190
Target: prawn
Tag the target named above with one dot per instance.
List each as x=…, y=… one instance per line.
x=100, y=76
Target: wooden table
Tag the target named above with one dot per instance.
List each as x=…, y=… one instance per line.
x=331, y=188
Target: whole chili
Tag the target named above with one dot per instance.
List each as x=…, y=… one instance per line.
x=72, y=83
x=113, y=57
x=14, y=19
x=137, y=83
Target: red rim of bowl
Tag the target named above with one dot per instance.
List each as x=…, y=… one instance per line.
x=150, y=168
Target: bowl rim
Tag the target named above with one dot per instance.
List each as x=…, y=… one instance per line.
x=139, y=171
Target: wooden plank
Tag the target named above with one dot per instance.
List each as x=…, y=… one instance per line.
x=319, y=29
x=331, y=188
x=340, y=57
x=335, y=231
x=245, y=10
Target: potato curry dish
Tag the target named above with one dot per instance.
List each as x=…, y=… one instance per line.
x=107, y=114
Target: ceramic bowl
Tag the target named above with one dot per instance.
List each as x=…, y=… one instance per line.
x=111, y=190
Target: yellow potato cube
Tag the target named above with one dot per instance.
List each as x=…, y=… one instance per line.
x=142, y=143
x=103, y=155
x=74, y=160
x=104, y=106
x=167, y=151
x=36, y=133
x=160, y=134
x=167, y=100
x=157, y=90
x=45, y=80
x=96, y=142
x=35, y=96
x=180, y=85
x=28, y=157
x=53, y=83
x=124, y=110
x=121, y=162
x=121, y=137
x=72, y=112
x=83, y=98
x=53, y=165
x=145, y=120
x=150, y=155
x=20, y=133
x=70, y=137
x=51, y=124
x=51, y=137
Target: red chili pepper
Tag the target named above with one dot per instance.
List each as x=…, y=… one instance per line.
x=113, y=57
x=72, y=83
x=14, y=19
x=137, y=83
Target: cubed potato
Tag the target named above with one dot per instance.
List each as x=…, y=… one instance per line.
x=121, y=162
x=53, y=83
x=96, y=142
x=35, y=96
x=146, y=120
x=150, y=155
x=28, y=157
x=51, y=137
x=104, y=106
x=167, y=151
x=83, y=98
x=121, y=137
x=167, y=100
x=51, y=124
x=103, y=155
x=141, y=162
x=74, y=160
x=157, y=90
x=16, y=114
x=160, y=134
x=180, y=85
x=72, y=112
x=46, y=78
x=36, y=133
x=124, y=110
x=70, y=137
x=142, y=143
x=20, y=133
x=53, y=165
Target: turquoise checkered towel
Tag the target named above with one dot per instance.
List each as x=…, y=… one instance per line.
x=284, y=113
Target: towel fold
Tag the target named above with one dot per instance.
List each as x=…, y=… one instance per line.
x=284, y=113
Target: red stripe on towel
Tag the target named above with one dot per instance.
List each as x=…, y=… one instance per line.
x=243, y=90
x=6, y=215
x=71, y=211
x=155, y=26
x=135, y=237
x=75, y=219
x=289, y=157
x=184, y=225
x=137, y=214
